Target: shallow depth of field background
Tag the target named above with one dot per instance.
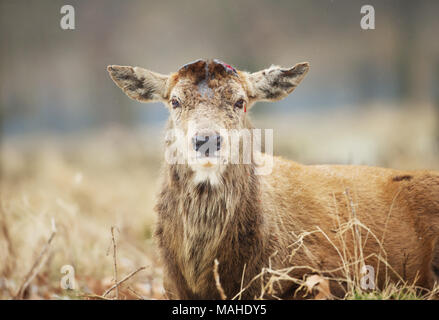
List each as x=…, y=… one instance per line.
x=76, y=150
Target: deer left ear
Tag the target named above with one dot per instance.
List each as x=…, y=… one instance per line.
x=139, y=84
x=275, y=83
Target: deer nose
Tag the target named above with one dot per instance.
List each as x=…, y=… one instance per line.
x=207, y=144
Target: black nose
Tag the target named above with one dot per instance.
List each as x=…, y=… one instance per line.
x=207, y=144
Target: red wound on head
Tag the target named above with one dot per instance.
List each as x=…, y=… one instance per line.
x=228, y=66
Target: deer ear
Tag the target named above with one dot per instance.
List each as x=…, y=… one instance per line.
x=139, y=84
x=275, y=83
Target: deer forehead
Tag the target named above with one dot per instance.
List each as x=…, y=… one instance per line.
x=208, y=80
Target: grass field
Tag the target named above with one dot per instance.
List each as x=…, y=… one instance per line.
x=86, y=184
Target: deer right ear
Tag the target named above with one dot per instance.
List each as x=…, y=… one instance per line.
x=140, y=84
x=275, y=83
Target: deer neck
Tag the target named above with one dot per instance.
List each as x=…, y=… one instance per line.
x=214, y=218
x=214, y=205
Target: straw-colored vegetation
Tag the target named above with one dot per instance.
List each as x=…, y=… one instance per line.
x=86, y=187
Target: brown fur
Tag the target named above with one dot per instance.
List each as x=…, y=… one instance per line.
x=250, y=222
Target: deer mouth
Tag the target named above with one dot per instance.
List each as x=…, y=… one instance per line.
x=208, y=164
x=207, y=161
x=207, y=169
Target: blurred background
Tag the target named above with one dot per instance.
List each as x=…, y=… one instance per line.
x=74, y=148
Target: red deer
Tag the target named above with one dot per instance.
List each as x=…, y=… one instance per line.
x=292, y=219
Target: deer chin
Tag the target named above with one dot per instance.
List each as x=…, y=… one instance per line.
x=207, y=170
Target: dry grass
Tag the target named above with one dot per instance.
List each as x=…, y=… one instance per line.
x=89, y=184
x=86, y=186
x=352, y=260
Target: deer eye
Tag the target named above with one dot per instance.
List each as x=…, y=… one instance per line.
x=175, y=103
x=240, y=103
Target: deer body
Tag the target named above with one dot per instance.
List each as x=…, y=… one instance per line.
x=278, y=208
x=295, y=219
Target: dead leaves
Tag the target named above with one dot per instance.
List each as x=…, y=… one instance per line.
x=318, y=287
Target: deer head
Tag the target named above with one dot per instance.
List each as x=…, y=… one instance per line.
x=206, y=99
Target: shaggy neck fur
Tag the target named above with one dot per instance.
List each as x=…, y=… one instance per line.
x=208, y=222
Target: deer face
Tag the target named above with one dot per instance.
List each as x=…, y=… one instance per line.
x=206, y=100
